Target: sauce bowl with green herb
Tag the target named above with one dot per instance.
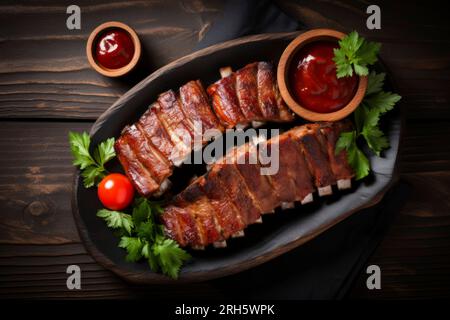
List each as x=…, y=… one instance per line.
x=309, y=82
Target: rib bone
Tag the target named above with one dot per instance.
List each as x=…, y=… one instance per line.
x=238, y=234
x=287, y=205
x=325, y=191
x=309, y=198
x=220, y=244
x=241, y=126
x=225, y=71
x=343, y=184
x=257, y=124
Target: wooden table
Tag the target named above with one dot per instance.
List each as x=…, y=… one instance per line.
x=47, y=89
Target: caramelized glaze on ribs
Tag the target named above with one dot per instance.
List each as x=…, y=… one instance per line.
x=233, y=195
x=258, y=185
x=316, y=157
x=148, y=155
x=138, y=174
x=195, y=105
x=164, y=136
x=249, y=94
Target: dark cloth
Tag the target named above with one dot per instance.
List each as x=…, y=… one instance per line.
x=247, y=17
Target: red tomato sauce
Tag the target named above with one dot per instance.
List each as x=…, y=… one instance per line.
x=313, y=79
x=114, y=49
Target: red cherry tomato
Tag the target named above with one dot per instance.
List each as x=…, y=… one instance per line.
x=115, y=191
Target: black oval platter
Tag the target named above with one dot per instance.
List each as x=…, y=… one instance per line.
x=280, y=232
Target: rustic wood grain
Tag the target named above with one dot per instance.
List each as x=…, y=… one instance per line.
x=44, y=76
x=414, y=256
x=35, y=250
x=44, y=72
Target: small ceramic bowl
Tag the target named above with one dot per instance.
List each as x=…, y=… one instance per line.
x=284, y=85
x=92, y=41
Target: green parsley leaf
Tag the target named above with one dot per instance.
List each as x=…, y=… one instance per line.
x=372, y=117
x=79, y=145
x=141, y=211
x=360, y=69
x=146, y=230
x=170, y=256
x=105, y=151
x=360, y=116
x=143, y=237
x=367, y=117
x=147, y=253
x=345, y=141
x=343, y=68
x=351, y=43
x=382, y=101
x=90, y=175
x=368, y=51
x=116, y=219
x=375, y=82
x=358, y=161
x=375, y=138
x=354, y=54
x=92, y=167
x=133, y=246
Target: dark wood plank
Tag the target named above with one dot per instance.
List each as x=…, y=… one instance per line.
x=35, y=249
x=36, y=221
x=413, y=46
x=414, y=257
x=44, y=71
x=35, y=183
x=38, y=237
x=40, y=270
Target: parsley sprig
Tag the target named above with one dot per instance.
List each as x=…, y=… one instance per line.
x=143, y=237
x=367, y=117
x=92, y=166
x=355, y=54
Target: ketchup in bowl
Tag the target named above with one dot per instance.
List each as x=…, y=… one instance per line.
x=313, y=79
x=114, y=48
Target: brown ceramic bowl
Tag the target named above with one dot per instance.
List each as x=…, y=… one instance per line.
x=284, y=85
x=92, y=40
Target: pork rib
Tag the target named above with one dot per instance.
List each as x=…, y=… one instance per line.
x=165, y=134
x=249, y=94
x=232, y=194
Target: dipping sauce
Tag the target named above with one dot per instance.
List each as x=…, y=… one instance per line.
x=313, y=79
x=114, y=49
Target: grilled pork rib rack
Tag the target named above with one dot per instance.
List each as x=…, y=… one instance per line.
x=164, y=136
x=234, y=194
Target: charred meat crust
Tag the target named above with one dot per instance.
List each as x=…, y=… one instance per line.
x=233, y=194
x=147, y=154
x=228, y=214
x=164, y=136
x=316, y=158
x=139, y=176
x=225, y=101
x=197, y=204
x=195, y=105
